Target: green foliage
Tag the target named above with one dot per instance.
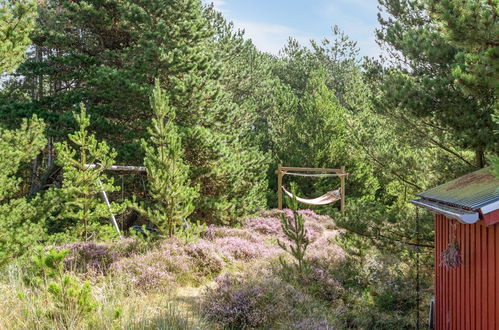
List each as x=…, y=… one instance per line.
x=191, y=232
x=419, y=88
x=22, y=220
x=68, y=298
x=126, y=46
x=294, y=229
x=18, y=147
x=17, y=19
x=169, y=185
x=81, y=183
x=326, y=92
x=471, y=26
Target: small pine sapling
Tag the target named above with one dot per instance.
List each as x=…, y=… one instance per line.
x=81, y=183
x=68, y=298
x=294, y=229
x=169, y=184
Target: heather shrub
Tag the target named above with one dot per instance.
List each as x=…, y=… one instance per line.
x=314, y=231
x=131, y=245
x=157, y=270
x=236, y=248
x=264, y=225
x=325, y=253
x=312, y=323
x=259, y=301
x=206, y=257
x=214, y=232
x=321, y=284
x=89, y=257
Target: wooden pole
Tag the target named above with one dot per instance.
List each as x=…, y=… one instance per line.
x=342, y=180
x=279, y=187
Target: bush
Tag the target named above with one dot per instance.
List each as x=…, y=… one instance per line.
x=89, y=257
x=237, y=302
x=206, y=257
x=158, y=270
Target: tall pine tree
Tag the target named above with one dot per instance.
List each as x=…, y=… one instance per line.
x=418, y=84
x=168, y=181
x=17, y=19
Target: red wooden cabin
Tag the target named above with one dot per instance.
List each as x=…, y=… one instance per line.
x=467, y=212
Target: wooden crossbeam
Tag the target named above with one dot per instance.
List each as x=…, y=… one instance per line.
x=310, y=169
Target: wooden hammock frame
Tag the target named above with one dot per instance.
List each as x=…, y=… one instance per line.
x=283, y=170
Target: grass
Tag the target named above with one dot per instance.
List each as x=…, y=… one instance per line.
x=165, y=285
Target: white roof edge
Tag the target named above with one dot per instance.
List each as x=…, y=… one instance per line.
x=466, y=217
x=490, y=207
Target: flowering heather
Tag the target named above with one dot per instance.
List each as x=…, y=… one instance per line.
x=238, y=302
x=214, y=232
x=206, y=257
x=323, y=284
x=314, y=231
x=241, y=249
x=88, y=257
x=128, y=246
x=325, y=252
x=311, y=215
x=265, y=225
x=155, y=270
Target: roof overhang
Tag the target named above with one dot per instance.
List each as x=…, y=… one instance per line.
x=490, y=207
x=463, y=216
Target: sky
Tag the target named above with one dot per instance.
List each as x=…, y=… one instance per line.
x=269, y=23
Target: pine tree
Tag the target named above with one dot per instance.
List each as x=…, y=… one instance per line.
x=471, y=26
x=21, y=220
x=17, y=19
x=419, y=87
x=81, y=183
x=169, y=185
x=108, y=54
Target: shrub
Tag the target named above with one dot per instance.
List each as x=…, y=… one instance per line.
x=312, y=323
x=322, y=284
x=206, y=257
x=67, y=298
x=89, y=257
x=240, y=249
x=214, y=232
x=237, y=302
x=264, y=225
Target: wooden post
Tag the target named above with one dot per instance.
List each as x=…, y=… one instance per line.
x=279, y=187
x=342, y=180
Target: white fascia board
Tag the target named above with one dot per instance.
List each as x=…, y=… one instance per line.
x=463, y=216
x=490, y=207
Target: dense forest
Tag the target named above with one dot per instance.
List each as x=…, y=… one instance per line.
x=171, y=86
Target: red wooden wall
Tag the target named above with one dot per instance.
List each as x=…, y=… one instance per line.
x=467, y=297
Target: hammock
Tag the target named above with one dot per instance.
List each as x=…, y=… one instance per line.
x=327, y=198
